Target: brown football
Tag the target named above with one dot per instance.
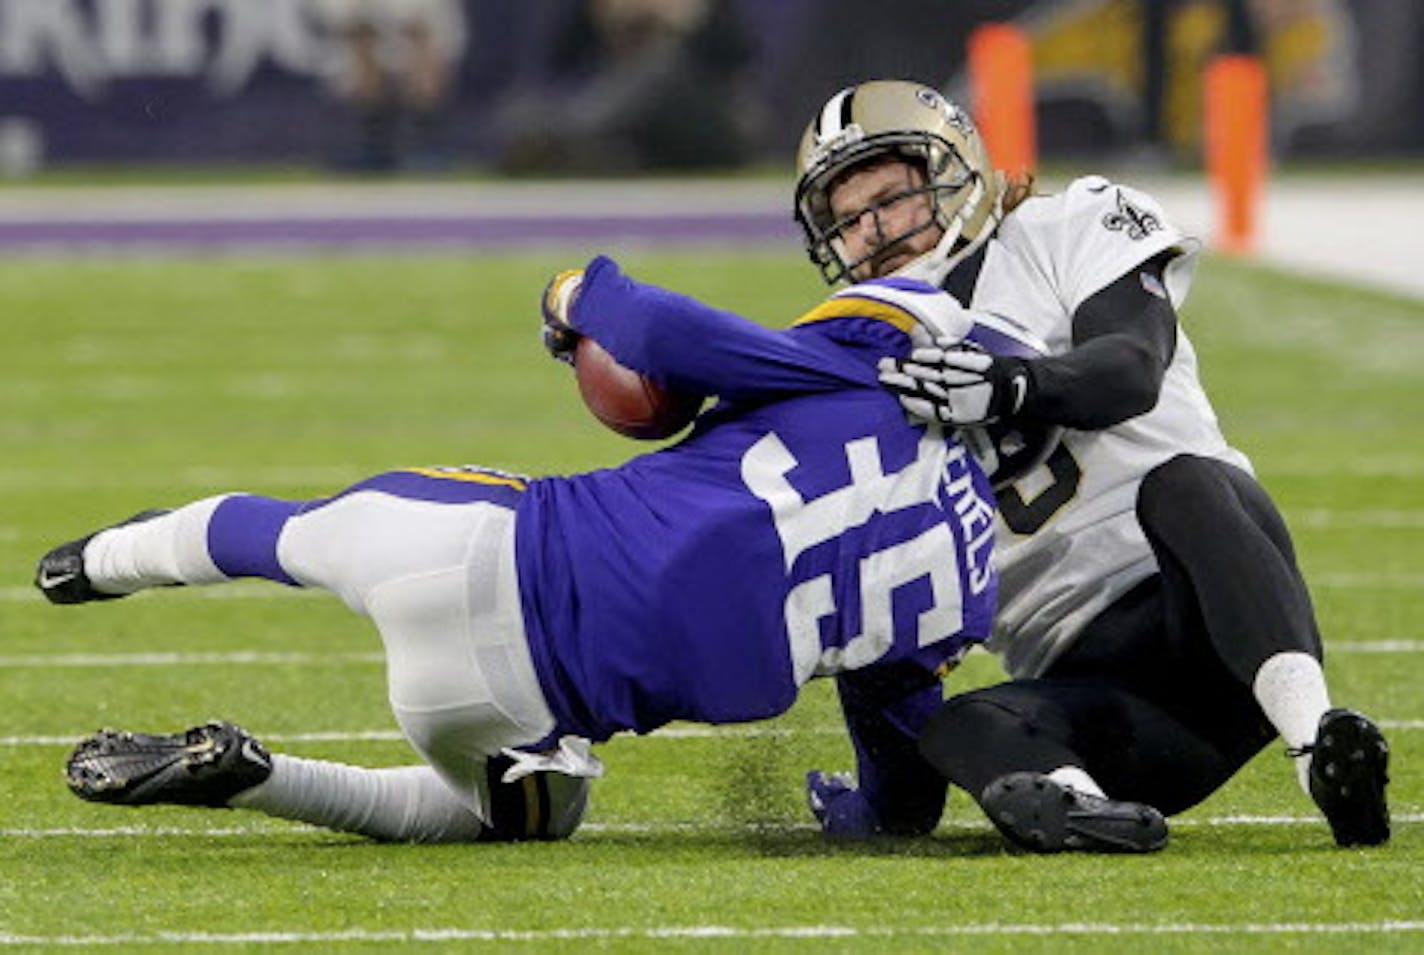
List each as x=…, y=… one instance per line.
x=634, y=405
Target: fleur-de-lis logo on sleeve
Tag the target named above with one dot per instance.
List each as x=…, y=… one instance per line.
x=1128, y=217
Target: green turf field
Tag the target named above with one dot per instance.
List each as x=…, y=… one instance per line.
x=136, y=383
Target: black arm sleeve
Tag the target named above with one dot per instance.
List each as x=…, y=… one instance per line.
x=1123, y=340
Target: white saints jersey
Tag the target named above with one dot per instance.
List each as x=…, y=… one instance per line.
x=1068, y=541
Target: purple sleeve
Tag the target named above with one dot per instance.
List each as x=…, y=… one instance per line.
x=242, y=536
x=701, y=349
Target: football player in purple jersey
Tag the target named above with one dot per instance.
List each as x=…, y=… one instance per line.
x=1152, y=617
x=802, y=528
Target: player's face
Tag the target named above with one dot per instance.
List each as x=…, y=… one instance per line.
x=883, y=217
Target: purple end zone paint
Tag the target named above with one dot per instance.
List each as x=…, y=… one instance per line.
x=338, y=232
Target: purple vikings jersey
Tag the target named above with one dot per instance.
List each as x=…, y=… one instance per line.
x=803, y=528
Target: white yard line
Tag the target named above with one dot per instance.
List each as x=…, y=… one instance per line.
x=906, y=933
x=241, y=591
x=1389, y=519
x=272, y=828
x=1335, y=580
x=1366, y=580
x=257, y=657
x=225, y=658
x=666, y=733
x=214, y=479
x=380, y=736
x=1317, y=467
x=244, y=590
x=169, y=659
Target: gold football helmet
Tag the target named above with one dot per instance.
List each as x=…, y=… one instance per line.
x=894, y=118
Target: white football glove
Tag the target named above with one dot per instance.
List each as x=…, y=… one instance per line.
x=957, y=383
x=557, y=332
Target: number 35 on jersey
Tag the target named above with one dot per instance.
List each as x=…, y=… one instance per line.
x=945, y=552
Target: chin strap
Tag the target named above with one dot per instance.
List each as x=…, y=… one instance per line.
x=936, y=264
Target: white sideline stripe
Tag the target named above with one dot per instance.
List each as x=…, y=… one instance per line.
x=650, y=933
x=667, y=732
x=266, y=658
x=624, y=828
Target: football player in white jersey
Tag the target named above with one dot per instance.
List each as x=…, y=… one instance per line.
x=1152, y=617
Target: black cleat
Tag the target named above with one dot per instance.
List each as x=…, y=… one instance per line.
x=204, y=766
x=1349, y=769
x=1036, y=813
x=60, y=574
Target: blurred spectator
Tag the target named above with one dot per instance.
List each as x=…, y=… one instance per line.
x=638, y=84
x=395, y=71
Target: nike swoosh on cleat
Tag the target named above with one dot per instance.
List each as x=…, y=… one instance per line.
x=250, y=750
x=48, y=581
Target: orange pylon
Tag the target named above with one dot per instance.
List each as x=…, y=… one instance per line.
x=1237, y=123
x=1002, y=101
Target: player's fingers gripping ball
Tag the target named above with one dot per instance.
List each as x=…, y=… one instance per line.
x=633, y=404
x=558, y=334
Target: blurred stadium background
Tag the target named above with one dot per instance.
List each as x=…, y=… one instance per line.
x=156, y=94
x=259, y=81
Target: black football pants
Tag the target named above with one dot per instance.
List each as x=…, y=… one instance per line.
x=1154, y=698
